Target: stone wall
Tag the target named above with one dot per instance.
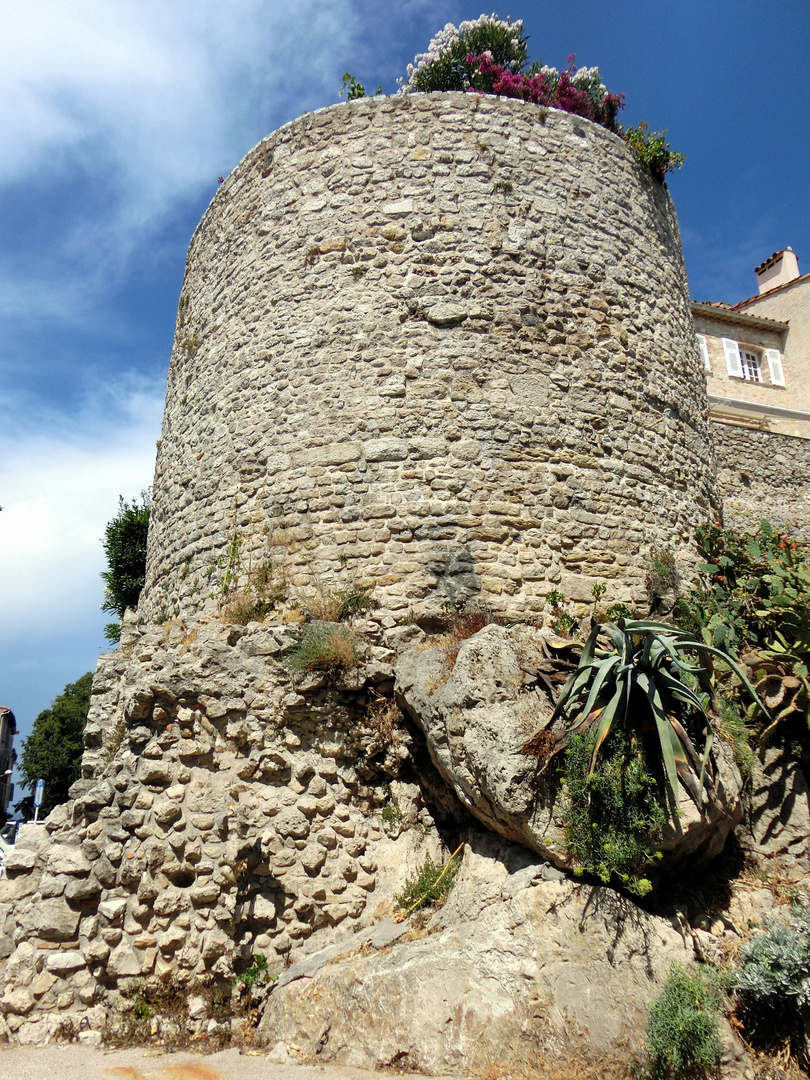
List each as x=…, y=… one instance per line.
x=227, y=808
x=761, y=474
x=440, y=345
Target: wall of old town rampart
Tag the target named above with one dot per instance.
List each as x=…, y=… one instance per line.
x=763, y=475
x=439, y=345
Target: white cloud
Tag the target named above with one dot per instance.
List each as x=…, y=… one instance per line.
x=154, y=91
x=59, y=486
x=144, y=105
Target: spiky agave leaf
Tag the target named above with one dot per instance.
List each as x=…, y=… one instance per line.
x=647, y=657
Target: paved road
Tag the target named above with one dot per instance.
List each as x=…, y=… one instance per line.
x=75, y=1062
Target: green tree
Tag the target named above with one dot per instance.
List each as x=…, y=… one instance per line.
x=125, y=548
x=53, y=750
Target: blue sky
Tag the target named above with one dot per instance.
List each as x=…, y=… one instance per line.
x=117, y=116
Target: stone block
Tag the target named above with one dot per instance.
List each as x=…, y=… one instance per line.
x=388, y=449
x=124, y=962
x=20, y=860
x=65, y=963
x=52, y=920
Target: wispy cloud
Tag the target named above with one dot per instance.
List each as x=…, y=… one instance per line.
x=119, y=112
x=115, y=120
x=59, y=485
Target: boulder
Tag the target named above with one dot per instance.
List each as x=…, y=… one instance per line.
x=519, y=962
x=780, y=810
x=476, y=715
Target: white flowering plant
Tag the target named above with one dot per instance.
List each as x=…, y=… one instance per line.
x=444, y=66
x=489, y=55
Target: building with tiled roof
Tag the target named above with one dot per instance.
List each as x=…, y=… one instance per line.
x=756, y=354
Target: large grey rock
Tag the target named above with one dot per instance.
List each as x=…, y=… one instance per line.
x=477, y=714
x=476, y=717
x=519, y=961
x=779, y=821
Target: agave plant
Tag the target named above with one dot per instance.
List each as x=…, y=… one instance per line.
x=643, y=686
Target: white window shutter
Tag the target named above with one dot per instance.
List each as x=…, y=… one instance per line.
x=704, y=352
x=775, y=369
x=733, y=361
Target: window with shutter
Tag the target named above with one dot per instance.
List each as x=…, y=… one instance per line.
x=751, y=365
x=704, y=352
x=775, y=369
x=733, y=360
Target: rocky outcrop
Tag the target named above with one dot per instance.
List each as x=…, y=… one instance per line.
x=231, y=808
x=520, y=963
x=477, y=714
x=779, y=818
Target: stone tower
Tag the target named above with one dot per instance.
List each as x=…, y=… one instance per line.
x=439, y=345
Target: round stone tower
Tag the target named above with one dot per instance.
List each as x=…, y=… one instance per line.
x=439, y=345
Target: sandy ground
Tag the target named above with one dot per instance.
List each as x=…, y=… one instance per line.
x=75, y=1062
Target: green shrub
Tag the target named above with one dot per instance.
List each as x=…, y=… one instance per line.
x=753, y=585
x=256, y=972
x=53, y=750
x=125, y=548
x=444, y=66
x=338, y=605
x=564, y=621
x=754, y=597
x=142, y=1011
x=351, y=87
x=682, y=1036
x=652, y=149
x=773, y=984
x=616, y=613
x=324, y=647
x=430, y=887
x=613, y=814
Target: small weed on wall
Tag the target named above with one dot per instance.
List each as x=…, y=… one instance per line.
x=431, y=885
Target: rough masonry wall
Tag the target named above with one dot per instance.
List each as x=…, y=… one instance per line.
x=439, y=345
x=227, y=808
x=763, y=475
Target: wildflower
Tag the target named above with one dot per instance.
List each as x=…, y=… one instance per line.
x=220, y=179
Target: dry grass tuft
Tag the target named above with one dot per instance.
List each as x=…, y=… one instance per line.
x=462, y=625
x=267, y=588
x=324, y=647
x=383, y=717
x=337, y=605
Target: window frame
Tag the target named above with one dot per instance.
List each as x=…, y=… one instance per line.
x=734, y=350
